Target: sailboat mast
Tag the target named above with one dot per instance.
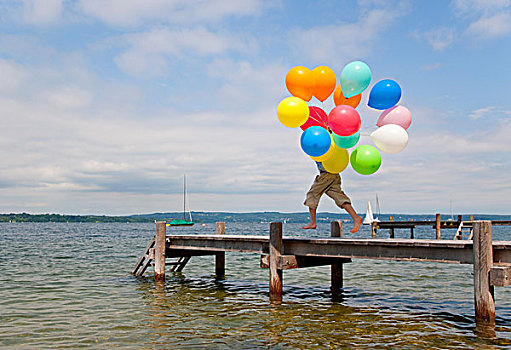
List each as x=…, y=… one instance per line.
x=184, y=197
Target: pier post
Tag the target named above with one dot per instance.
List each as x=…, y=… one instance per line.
x=483, y=261
x=437, y=225
x=220, y=257
x=336, y=270
x=275, y=253
x=159, y=251
x=373, y=229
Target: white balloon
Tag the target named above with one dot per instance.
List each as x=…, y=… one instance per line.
x=390, y=138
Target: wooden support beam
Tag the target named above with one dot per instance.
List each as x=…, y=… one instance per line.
x=438, y=225
x=275, y=253
x=336, y=276
x=220, y=257
x=500, y=275
x=159, y=251
x=483, y=261
x=288, y=262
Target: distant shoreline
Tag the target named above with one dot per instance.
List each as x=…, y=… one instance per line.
x=212, y=217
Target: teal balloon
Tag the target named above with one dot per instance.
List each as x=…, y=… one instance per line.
x=365, y=160
x=346, y=141
x=355, y=78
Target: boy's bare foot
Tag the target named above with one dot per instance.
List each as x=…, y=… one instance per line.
x=310, y=227
x=356, y=225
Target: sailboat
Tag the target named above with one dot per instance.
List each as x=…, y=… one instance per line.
x=369, y=218
x=183, y=221
x=369, y=215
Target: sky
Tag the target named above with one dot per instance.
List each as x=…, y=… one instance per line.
x=106, y=104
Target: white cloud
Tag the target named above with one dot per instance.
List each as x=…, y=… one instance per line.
x=42, y=11
x=433, y=66
x=479, y=113
x=342, y=42
x=135, y=12
x=490, y=27
x=148, y=52
x=474, y=7
x=488, y=18
x=440, y=38
x=13, y=75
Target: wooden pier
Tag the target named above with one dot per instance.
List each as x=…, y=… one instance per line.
x=491, y=259
x=460, y=225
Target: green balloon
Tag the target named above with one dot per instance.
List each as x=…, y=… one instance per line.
x=365, y=159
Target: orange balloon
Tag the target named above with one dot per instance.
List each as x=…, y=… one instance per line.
x=300, y=82
x=339, y=98
x=325, y=82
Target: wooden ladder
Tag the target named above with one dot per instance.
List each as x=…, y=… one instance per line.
x=147, y=259
x=464, y=225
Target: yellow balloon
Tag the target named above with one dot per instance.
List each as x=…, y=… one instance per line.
x=293, y=112
x=328, y=153
x=338, y=161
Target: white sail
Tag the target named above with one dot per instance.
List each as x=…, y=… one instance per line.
x=369, y=215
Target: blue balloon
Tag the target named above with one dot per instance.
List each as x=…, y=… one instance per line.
x=315, y=141
x=346, y=141
x=384, y=94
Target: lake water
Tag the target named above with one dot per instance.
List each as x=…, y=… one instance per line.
x=69, y=286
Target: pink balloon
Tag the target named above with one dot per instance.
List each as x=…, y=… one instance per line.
x=398, y=115
x=344, y=120
x=317, y=117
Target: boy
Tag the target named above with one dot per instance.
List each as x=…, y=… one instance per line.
x=330, y=184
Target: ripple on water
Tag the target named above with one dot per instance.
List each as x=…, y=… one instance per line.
x=74, y=290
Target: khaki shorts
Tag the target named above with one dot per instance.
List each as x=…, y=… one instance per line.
x=329, y=184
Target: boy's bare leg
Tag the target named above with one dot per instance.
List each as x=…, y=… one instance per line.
x=312, y=224
x=357, y=220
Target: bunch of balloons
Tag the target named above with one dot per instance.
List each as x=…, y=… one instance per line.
x=326, y=138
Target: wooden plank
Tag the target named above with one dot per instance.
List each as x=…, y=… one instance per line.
x=500, y=276
x=220, y=256
x=368, y=248
x=144, y=267
x=159, y=245
x=483, y=261
x=275, y=250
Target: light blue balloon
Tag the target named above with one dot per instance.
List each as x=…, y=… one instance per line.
x=346, y=141
x=385, y=94
x=315, y=141
x=355, y=78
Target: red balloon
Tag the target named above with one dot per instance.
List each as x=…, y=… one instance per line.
x=317, y=117
x=344, y=120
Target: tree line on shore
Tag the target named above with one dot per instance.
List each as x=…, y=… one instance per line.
x=198, y=217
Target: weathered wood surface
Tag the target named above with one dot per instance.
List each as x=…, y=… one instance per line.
x=500, y=275
x=483, y=261
x=370, y=248
x=275, y=254
x=159, y=251
x=288, y=262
